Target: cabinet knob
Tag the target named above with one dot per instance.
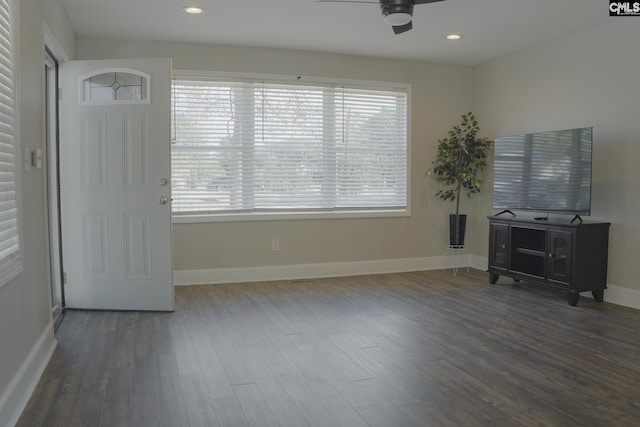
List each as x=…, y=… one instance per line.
x=503, y=246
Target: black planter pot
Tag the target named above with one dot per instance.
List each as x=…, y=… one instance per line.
x=457, y=225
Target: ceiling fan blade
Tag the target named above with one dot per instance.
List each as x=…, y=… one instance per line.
x=348, y=1
x=399, y=29
x=426, y=1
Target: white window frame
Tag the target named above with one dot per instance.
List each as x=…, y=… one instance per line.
x=12, y=265
x=313, y=214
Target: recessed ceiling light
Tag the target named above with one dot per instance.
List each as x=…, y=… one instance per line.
x=454, y=37
x=194, y=10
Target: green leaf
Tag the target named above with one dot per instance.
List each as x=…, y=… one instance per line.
x=460, y=156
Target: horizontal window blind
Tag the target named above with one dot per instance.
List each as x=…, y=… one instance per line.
x=252, y=146
x=10, y=263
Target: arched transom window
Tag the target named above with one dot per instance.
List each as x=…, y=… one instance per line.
x=115, y=86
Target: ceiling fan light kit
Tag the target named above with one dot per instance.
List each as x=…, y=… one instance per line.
x=397, y=13
x=397, y=18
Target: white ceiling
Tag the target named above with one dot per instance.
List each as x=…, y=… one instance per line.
x=491, y=28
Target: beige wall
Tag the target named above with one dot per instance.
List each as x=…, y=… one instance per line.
x=24, y=302
x=440, y=94
x=587, y=79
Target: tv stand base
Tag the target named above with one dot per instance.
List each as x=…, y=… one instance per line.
x=493, y=278
x=571, y=257
x=572, y=296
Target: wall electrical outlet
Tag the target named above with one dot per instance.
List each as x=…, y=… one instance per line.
x=275, y=245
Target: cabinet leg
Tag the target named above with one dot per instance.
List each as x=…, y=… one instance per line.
x=598, y=295
x=572, y=298
x=493, y=278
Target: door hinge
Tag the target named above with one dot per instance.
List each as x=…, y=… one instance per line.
x=59, y=93
x=64, y=278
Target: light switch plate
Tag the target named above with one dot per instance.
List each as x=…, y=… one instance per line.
x=38, y=162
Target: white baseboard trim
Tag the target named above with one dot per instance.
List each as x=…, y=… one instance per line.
x=479, y=262
x=622, y=296
x=313, y=271
x=614, y=294
x=17, y=394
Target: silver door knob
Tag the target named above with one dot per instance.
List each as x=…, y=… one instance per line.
x=163, y=182
x=164, y=200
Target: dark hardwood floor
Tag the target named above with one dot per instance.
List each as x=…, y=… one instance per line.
x=412, y=349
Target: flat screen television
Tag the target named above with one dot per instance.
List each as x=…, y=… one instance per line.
x=548, y=172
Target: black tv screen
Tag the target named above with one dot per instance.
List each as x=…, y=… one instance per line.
x=544, y=172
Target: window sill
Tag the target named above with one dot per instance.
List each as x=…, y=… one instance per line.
x=270, y=216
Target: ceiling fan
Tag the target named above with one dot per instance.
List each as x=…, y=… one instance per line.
x=397, y=13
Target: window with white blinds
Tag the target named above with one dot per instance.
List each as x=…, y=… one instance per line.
x=10, y=262
x=269, y=147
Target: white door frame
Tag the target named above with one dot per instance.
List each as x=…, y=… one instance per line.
x=51, y=58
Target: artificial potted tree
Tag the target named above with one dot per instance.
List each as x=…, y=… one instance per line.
x=461, y=156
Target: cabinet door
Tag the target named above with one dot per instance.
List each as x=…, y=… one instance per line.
x=560, y=252
x=499, y=246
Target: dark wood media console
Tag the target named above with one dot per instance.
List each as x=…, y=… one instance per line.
x=571, y=257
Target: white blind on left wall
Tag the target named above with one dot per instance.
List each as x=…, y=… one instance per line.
x=10, y=262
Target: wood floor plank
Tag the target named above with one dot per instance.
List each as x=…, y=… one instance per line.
x=412, y=349
x=84, y=397
x=350, y=391
x=337, y=406
x=116, y=411
x=283, y=408
x=200, y=411
x=234, y=366
x=376, y=416
x=229, y=412
x=254, y=406
x=313, y=411
x=196, y=354
x=122, y=354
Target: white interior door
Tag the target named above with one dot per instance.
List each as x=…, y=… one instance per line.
x=115, y=174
